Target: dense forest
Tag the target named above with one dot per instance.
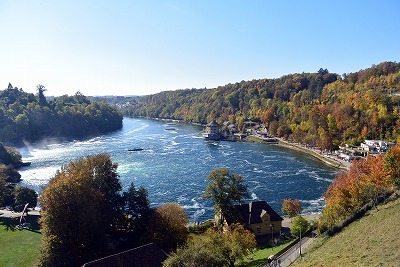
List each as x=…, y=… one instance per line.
x=25, y=116
x=320, y=109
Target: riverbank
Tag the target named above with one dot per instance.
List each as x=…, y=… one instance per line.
x=326, y=158
x=330, y=160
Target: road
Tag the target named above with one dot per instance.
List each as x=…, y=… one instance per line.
x=292, y=254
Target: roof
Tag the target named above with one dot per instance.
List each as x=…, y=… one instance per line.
x=251, y=213
x=149, y=255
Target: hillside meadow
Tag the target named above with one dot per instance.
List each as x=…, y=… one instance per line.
x=371, y=241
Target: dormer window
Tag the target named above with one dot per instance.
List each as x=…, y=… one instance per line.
x=264, y=216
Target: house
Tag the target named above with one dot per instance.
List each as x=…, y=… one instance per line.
x=212, y=131
x=149, y=255
x=259, y=217
x=376, y=145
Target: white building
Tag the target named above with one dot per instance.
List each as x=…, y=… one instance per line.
x=376, y=145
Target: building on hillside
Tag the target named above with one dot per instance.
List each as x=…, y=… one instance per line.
x=148, y=255
x=259, y=217
x=212, y=131
x=376, y=145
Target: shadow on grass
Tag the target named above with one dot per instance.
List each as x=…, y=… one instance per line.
x=255, y=263
x=10, y=224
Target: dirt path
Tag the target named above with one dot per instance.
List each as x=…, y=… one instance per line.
x=11, y=214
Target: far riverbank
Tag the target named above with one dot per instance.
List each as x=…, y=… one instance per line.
x=337, y=163
x=326, y=158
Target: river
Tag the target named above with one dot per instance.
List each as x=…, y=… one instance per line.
x=175, y=162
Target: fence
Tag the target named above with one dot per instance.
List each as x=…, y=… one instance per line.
x=289, y=255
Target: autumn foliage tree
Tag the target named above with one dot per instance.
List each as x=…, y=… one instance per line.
x=392, y=164
x=365, y=182
x=291, y=207
x=320, y=109
x=167, y=226
x=76, y=213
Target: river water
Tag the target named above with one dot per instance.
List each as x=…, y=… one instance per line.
x=175, y=162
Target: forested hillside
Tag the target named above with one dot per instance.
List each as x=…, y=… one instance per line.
x=320, y=109
x=25, y=116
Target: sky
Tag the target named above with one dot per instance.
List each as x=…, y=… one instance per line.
x=144, y=47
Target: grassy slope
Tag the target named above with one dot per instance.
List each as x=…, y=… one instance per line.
x=18, y=247
x=371, y=241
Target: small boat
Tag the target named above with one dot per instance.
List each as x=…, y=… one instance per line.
x=135, y=149
x=170, y=129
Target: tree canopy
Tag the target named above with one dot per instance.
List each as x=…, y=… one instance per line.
x=213, y=248
x=321, y=109
x=366, y=181
x=9, y=155
x=167, y=226
x=225, y=189
x=82, y=207
x=299, y=223
x=23, y=196
x=291, y=207
x=9, y=174
x=24, y=116
x=75, y=216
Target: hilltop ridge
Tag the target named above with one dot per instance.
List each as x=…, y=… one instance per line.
x=319, y=109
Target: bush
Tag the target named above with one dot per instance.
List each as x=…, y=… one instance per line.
x=201, y=228
x=9, y=174
x=23, y=196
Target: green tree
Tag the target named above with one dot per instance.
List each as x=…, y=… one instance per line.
x=9, y=155
x=25, y=116
x=9, y=174
x=225, y=189
x=167, y=226
x=136, y=207
x=6, y=192
x=23, y=196
x=299, y=223
x=136, y=201
x=40, y=93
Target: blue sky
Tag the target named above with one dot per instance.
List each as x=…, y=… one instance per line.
x=144, y=47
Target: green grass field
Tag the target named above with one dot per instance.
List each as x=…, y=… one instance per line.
x=371, y=241
x=19, y=247
x=261, y=255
